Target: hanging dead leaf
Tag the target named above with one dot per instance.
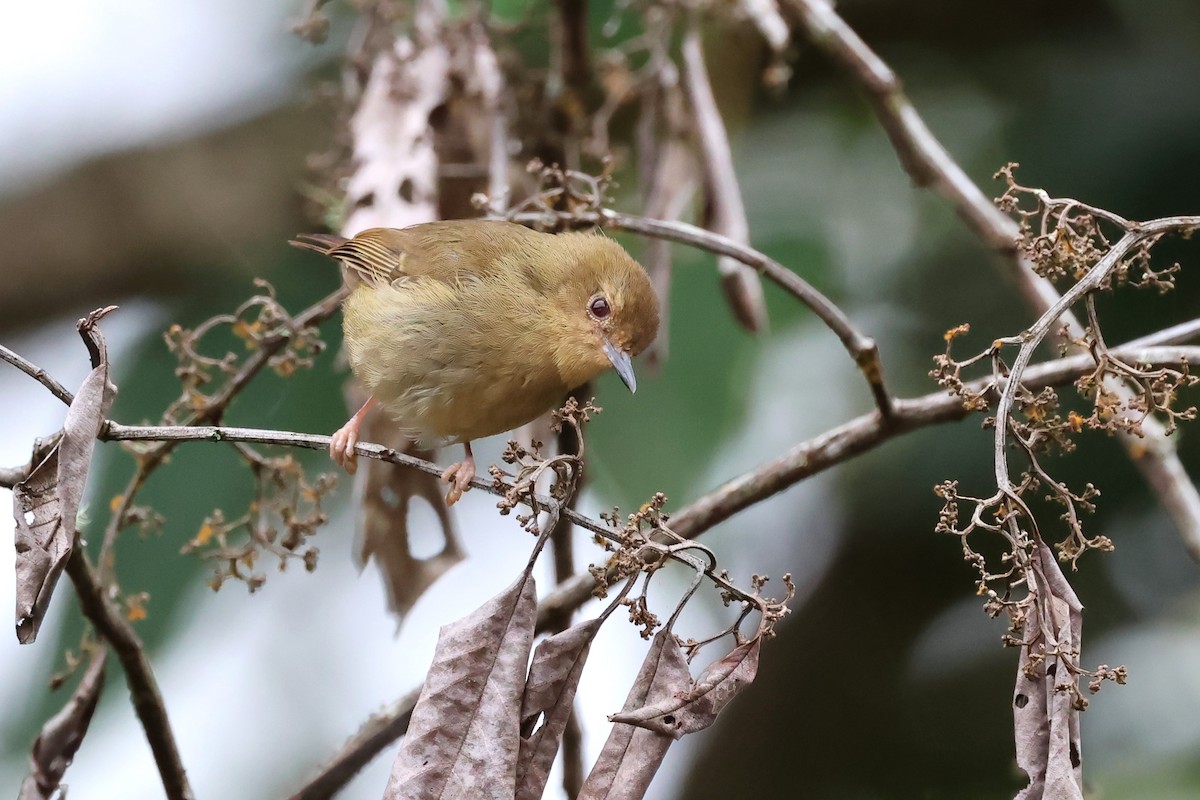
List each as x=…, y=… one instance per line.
x=670, y=178
x=725, y=212
x=60, y=737
x=549, y=695
x=631, y=755
x=464, y=736
x=697, y=708
x=46, y=503
x=1045, y=721
x=387, y=494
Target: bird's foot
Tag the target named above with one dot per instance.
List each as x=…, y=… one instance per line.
x=341, y=444
x=459, y=476
x=341, y=447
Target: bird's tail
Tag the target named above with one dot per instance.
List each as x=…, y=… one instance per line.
x=322, y=243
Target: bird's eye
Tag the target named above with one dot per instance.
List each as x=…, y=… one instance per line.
x=599, y=308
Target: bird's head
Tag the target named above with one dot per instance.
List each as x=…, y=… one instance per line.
x=606, y=307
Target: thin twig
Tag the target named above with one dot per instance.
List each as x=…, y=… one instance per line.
x=862, y=348
x=380, y=730
x=143, y=688
x=1138, y=233
x=37, y=373
x=212, y=411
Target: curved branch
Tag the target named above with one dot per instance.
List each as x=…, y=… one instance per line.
x=862, y=348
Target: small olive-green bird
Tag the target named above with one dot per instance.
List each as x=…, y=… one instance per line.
x=465, y=329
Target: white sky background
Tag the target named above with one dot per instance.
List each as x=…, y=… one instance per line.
x=79, y=77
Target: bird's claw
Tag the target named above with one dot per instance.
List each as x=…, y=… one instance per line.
x=459, y=476
x=341, y=447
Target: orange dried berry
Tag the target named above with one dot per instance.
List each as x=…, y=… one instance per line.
x=205, y=534
x=115, y=503
x=1075, y=421
x=135, y=611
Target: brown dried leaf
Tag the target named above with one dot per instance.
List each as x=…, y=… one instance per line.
x=464, y=736
x=697, y=708
x=46, y=503
x=725, y=212
x=387, y=494
x=549, y=694
x=60, y=737
x=631, y=755
x=670, y=188
x=1045, y=722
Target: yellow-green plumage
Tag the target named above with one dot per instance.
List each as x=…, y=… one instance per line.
x=466, y=329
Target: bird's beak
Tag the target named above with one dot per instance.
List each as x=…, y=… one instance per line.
x=622, y=363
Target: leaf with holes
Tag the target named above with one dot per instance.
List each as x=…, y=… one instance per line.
x=631, y=755
x=388, y=494
x=697, y=708
x=464, y=736
x=549, y=694
x=46, y=503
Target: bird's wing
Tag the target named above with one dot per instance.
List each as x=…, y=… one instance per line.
x=447, y=250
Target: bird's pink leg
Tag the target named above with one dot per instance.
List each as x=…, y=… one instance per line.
x=341, y=444
x=459, y=476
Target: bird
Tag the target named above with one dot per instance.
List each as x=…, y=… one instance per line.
x=463, y=329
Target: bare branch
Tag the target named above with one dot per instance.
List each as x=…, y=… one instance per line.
x=378, y=732
x=143, y=688
x=862, y=348
x=37, y=373
x=921, y=154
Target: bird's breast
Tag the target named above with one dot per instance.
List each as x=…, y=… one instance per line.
x=453, y=362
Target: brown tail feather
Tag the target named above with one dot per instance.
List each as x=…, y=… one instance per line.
x=319, y=242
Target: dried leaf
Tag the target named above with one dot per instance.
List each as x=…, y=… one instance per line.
x=696, y=709
x=46, y=503
x=60, y=737
x=1045, y=722
x=631, y=755
x=726, y=214
x=464, y=736
x=549, y=694
x=387, y=493
x=670, y=188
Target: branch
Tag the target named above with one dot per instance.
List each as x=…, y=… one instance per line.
x=38, y=374
x=1138, y=233
x=929, y=164
x=862, y=348
x=806, y=459
x=376, y=733
x=921, y=155
x=212, y=411
x=143, y=688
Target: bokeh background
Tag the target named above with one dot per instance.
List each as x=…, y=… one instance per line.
x=153, y=155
